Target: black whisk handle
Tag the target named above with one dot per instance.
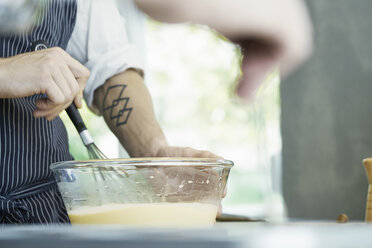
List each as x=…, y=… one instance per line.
x=75, y=117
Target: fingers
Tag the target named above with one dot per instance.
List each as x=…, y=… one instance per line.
x=64, y=85
x=52, y=72
x=49, y=87
x=78, y=101
x=259, y=59
x=219, y=212
x=254, y=74
x=65, y=80
x=77, y=69
x=173, y=151
x=77, y=86
x=49, y=110
x=79, y=97
x=53, y=105
x=70, y=79
x=58, y=54
x=190, y=152
x=224, y=192
x=75, y=75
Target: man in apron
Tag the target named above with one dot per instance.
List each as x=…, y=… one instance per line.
x=37, y=83
x=28, y=146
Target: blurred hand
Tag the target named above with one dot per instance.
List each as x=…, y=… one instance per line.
x=271, y=33
x=50, y=71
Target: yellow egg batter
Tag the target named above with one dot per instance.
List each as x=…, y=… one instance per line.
x=147, y=214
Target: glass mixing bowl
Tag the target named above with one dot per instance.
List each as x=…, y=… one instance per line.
x=143, y=192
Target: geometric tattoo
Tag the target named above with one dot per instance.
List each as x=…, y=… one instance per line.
x=118, y=107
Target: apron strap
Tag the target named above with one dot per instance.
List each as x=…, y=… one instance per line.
x=10, y=206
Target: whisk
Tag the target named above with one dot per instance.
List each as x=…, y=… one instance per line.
x=93, y=151
x=73, y=113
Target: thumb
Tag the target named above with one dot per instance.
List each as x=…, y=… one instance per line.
x=78, y=100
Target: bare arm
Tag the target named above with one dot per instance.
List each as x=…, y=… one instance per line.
x=126, y=105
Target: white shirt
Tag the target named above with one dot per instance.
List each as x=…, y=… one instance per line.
x=100, y=42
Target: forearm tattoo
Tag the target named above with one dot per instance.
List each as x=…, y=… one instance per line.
x=115, y=104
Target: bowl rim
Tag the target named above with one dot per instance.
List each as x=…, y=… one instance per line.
x=144, y=162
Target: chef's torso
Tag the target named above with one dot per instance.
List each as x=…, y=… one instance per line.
x=29, y=145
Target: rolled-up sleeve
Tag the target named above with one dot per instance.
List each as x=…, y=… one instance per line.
x=100, y=42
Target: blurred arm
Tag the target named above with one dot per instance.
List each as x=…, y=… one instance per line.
x=271, y=33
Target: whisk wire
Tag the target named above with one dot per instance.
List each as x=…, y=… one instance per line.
x=95, y=153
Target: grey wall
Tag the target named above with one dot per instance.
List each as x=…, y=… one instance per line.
x=327, y=115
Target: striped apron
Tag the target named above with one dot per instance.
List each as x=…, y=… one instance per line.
x=28, y=192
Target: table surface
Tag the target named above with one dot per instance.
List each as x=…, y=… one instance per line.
x=226, y=234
